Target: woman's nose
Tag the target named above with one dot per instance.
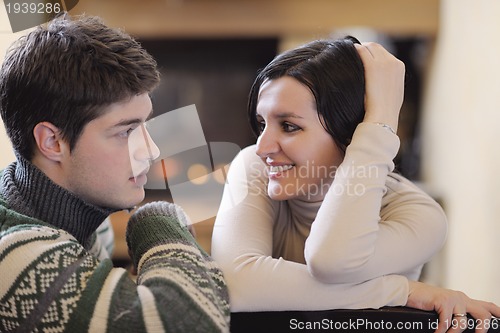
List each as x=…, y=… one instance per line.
x=267, y=143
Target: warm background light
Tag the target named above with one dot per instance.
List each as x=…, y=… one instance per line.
x=198, y=174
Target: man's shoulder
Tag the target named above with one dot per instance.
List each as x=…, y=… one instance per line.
x=3, y=201
x=13, y=221
x=30, y=234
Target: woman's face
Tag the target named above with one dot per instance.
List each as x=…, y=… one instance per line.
x=301, y=157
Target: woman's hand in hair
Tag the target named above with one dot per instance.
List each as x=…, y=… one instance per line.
x=452, y=306
x=384, y=81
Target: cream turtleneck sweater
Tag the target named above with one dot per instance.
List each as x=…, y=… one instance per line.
x=356, y=248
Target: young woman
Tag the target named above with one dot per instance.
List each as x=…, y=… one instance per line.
x=312, y=215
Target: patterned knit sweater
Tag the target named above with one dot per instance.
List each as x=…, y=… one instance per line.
x=51, y=280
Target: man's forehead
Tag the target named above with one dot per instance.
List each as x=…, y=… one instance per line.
x=135, y=110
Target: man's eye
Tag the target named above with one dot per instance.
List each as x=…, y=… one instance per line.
x=126, y=133
x=288, y=127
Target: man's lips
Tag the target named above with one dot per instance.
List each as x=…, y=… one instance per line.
x=141, y=176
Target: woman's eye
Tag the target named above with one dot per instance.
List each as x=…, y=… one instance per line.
x=287, y=127
x=261, y=126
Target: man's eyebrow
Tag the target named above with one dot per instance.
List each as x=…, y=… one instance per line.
x=132, y=121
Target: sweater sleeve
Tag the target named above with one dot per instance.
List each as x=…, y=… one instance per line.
x=242, y=246
x=350, y=240
x=55, y=284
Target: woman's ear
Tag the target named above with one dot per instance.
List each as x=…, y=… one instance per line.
x=49, y=141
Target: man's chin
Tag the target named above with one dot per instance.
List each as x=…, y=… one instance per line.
x=128, y=203
x=137, y=200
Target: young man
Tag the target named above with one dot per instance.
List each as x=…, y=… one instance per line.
x=73, y=94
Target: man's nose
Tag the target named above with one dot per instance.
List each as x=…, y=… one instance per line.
x=145, y=147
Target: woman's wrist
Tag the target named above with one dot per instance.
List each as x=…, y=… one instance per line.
x=387, y=127
x=389, y=120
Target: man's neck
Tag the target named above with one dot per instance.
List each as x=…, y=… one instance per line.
x=31, y=192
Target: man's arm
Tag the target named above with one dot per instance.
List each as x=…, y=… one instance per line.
x=49, y=281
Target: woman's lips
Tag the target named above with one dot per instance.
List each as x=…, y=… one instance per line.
x=276, y=171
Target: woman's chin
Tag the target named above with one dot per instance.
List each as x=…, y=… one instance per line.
x=279, y=193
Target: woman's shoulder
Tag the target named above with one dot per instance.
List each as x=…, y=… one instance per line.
x=249, y=153
x=398, y=183
x=248, y=159
x=401, y=190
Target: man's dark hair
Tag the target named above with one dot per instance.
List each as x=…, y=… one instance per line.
x=66, y=72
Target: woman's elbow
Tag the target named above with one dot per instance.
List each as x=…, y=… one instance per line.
x=330, y=268
x=441, y=227
x=437, y=225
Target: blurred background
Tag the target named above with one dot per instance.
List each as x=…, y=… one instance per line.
x=209, y=52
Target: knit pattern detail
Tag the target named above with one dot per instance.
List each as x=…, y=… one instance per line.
x=202, y=280
x=170, y=225
x=164, y=250
x=45, y=293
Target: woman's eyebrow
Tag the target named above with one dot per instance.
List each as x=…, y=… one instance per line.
x=288, y=115
x=281, y=115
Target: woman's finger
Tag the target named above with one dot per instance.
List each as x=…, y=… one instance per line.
x=458, y=320
x=444, y=321
x=364, y=53
x=481, y=315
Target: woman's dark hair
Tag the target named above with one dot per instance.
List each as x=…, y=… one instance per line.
x=333, y=71
x=66, y=73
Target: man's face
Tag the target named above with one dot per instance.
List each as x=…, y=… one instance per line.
x=108, y=165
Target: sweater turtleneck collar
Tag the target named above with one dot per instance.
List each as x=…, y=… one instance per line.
x=27, y=190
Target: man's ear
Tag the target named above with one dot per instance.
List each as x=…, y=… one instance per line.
x=49, y=141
